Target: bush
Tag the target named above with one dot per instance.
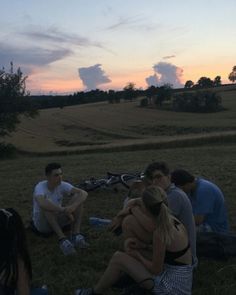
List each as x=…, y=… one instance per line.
x=7, y=150
x=144, y=102
x=199, y=101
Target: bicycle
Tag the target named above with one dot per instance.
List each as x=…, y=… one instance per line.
x=110, y=181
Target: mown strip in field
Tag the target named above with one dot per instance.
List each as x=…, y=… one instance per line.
x=161, y=143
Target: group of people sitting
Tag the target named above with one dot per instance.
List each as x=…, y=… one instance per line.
x=158, y=223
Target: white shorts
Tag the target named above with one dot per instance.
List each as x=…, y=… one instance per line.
x=42, y=224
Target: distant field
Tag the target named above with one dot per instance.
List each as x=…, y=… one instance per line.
x=104, y=125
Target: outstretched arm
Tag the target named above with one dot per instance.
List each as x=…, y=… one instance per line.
x=23, y=283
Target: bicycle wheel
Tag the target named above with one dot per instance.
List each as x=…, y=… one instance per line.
x=128, y=179
x=91, y=185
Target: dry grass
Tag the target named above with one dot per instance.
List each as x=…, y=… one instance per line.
x=103, y=125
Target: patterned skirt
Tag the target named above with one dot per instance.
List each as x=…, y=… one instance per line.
x=174, y=280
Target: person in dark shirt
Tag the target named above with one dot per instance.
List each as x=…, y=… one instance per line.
x=15, y=263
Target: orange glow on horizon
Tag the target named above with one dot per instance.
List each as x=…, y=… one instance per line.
x=194, y=73
x=120, y=80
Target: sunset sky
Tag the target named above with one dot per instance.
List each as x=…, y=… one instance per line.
x=78, y=45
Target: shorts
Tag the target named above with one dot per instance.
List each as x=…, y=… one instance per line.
x=174, y=280
x=42, y=225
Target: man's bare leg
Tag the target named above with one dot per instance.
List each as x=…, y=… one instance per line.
x=77, y=214
x=53, y=222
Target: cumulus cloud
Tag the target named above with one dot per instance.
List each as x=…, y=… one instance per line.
x=152, y=80
x=166, y=73
x=93, y=76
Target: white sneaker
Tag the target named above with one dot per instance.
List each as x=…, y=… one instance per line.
x=67, y=247
x=79, y=241
x=84, y=291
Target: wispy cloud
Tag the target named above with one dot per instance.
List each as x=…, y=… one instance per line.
x=52, y=45
x=54, y=35
x=135, y=22
x=93, y=76
x=168, y=56
x=31, y=56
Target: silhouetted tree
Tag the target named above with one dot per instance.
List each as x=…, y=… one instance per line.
x=204, y=82
x=151, y=91
x=217, y=81
x=14, y=100
x=189, y=84
x=232, y=75
x=163, y=94
x=113, y=97
x=129, y=91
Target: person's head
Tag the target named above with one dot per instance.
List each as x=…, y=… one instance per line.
x=136, y=189
x=183, y=179
x=155, y=201
x=158, y=173
x=12, y=246
x=53, y=173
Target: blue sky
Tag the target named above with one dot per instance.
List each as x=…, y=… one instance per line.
x=75, y=45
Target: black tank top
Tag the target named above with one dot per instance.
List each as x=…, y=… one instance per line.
x=170, y=256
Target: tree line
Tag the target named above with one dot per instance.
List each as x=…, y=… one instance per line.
x=15, y=100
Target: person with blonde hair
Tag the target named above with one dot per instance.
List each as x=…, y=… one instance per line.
x=169, y=270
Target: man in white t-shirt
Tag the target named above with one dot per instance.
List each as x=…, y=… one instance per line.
x=49, y=213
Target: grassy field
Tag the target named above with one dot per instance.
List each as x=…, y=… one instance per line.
x=153, y=135
x=102, y=125
x=63, y=274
